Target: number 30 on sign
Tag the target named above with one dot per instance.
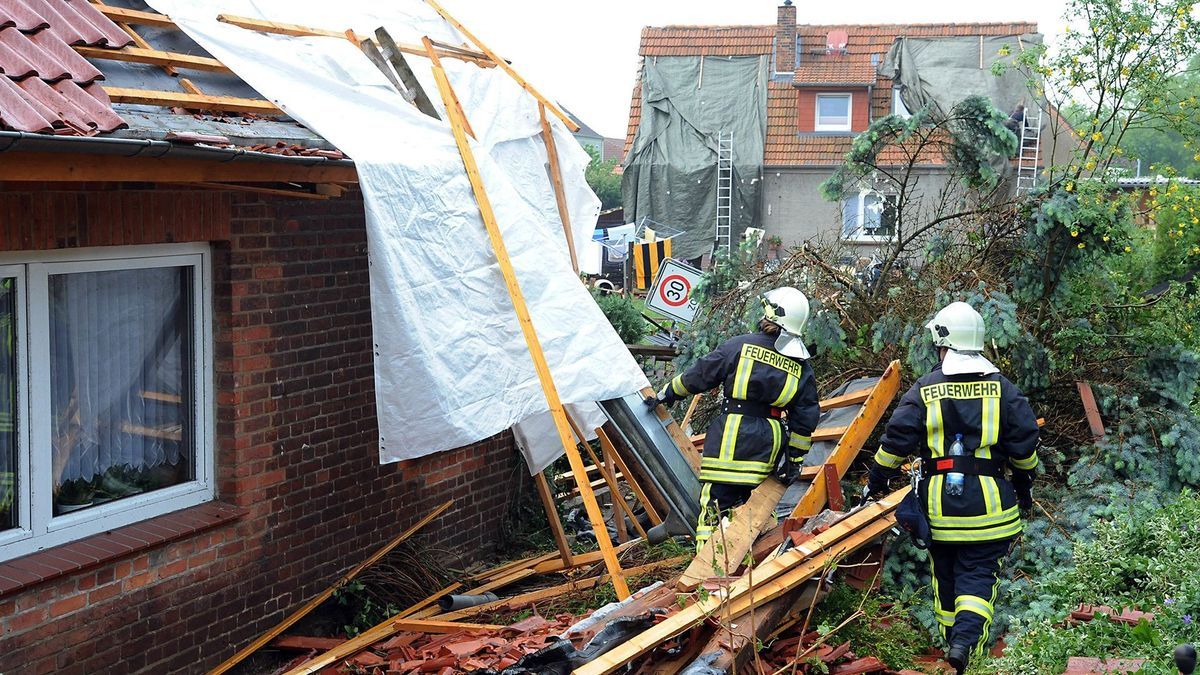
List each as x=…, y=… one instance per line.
x=671, y=294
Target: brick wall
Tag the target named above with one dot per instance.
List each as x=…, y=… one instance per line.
x=296, y=435
x=785, y=38
x=806, y=107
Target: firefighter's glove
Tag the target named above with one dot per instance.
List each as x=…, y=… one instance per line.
x=877, y=483
x=788, y=469
x=1023, y=484
x=665, y=396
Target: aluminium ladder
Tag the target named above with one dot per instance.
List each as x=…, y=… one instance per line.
x=724, y=191
x=1029, y=156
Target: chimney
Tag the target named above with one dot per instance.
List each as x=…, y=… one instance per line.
x=785, y=38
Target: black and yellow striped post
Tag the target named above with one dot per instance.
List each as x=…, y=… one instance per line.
x=646, y=258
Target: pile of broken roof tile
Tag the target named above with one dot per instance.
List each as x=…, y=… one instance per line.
x=46, y=86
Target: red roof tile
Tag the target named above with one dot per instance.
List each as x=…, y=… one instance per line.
x=44, y=84
x=866, y=46
x=707, y=40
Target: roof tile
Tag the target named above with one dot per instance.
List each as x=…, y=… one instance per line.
x=45, y=85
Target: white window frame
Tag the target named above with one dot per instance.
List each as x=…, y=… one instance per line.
x=898, y=107
x=39, y=528
x=860, y=233
x=818, y=126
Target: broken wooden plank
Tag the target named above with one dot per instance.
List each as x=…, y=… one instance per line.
x=328, y=592
x=833, y=485
x=609, y=450
x=503, y=66
x=383, y=630
x=772, y=579
x=829, y=434
x=731, y=543
x=560, y=196
x=595, y=515
x=501, y=570
x=392, y=52
x=579, y=560
x=524, y=599
x=873, y=408
x=175, y=99
x=503, y=581
x=154, y=57
x=556, y=528
x=1090, y=410
x=304, y=643
x=853, y=398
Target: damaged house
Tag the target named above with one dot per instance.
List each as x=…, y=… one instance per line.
x=737, y=126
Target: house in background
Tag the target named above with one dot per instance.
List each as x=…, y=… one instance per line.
x=822, y=87
x=587, y=136
x=188, y=433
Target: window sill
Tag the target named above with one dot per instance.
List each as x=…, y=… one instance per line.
x=96, y=550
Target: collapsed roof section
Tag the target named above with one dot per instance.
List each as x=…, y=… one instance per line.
x=123, y=71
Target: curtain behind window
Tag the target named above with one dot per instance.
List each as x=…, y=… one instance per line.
x=8, y=403
x=120, y=366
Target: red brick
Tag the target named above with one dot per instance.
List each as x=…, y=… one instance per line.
x=68, y=605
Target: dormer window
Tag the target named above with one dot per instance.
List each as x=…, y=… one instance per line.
x=833, y=112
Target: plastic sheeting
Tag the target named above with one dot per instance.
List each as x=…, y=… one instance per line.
x=671, y=171
x=936, y=71
x=451, y=365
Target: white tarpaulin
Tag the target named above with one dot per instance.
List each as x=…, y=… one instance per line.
x=451, y=365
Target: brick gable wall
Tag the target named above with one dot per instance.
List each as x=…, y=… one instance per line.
x=296, y=432
x=806, y=107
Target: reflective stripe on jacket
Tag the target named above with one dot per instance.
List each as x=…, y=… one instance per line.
x=743, y=449
x=996, y=422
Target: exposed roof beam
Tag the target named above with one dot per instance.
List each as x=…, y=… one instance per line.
x=21, y=165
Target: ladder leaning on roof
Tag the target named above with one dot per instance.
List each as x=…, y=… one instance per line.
x=1030, y=153
x=724, y=191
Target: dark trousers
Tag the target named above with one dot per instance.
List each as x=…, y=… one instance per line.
x=965, y=582
x=716, y=500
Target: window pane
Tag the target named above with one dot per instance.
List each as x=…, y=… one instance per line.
x=121, y=384
x=833, y=110
x=8, y=403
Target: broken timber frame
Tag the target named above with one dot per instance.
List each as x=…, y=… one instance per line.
x=327, y=593
x=531, y=339
x=772, y=579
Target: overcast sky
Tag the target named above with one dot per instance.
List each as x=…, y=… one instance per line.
x=584, y=54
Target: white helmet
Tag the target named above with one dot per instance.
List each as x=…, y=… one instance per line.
x=959, y=328
x=787, y=308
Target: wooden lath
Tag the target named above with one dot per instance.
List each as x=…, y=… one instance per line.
x=133, y=16
x=297, y=30
x=176, y=99
x=153, y=57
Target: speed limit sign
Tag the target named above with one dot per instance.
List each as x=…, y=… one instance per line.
x=671, y=294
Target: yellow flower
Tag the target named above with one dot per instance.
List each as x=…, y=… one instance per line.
x=1106, y=237
x=1081, y=245
x=1074, y=233
x=1090, y=165
x=1128, y=249
x=1070, y=187
x=1004, y=51
x=1097, y=136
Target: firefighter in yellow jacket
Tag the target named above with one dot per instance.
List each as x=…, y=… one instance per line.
x=770, y=410
x=974, y=510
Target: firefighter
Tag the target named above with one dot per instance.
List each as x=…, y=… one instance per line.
x=765, y=376
x=972, y=527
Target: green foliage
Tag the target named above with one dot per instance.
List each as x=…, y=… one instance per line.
x=361, y=610
x=885, y=630
x=624, y=315
x=980, y=140
x=600, y=177
x=1143, y=556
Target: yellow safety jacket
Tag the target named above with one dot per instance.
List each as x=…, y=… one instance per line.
x=761, y=386
x=996, y=423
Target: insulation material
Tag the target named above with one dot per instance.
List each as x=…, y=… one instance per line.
x=451, y=365
x=936, y=71
x=670, y=174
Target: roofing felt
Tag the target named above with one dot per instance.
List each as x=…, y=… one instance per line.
x=45, y=85
x=857, y=66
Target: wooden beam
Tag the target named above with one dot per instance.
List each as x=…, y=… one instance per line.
x=606, y=445
x=304, y=643
x=853, y=398
x=687, y=416
x=876, y=404
x=829, y=434
x=560, y=196
x=591, y=557
x=614, y=491
x=1090, y=410
x=175, y=99
x=81, y=167
x=297, y=30
x=327, y=593
x=726, y=549
x=501, y=582
x=772, y=579
x=518, y=601
x=501, y=570
x=122, y=15
x=504, y=66
x=141, y=42
x=556, y=528
x=274, y=192
x=154, y=57
x=189, y=86
x=459, y=128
